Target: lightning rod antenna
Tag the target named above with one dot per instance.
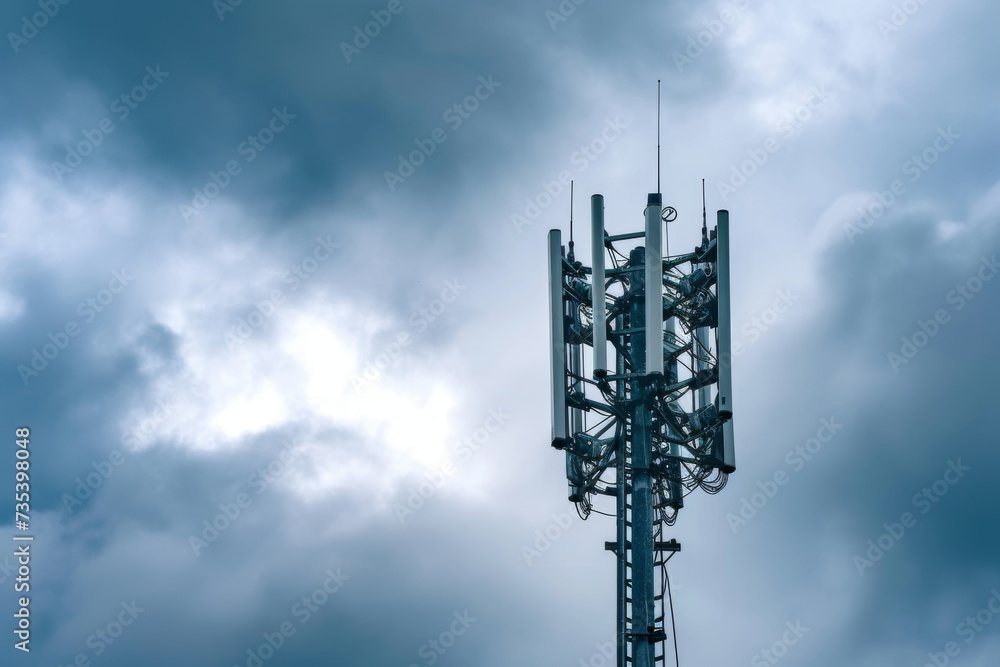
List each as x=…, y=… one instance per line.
x=704, y=214
x=571, y=256
x=657, y=135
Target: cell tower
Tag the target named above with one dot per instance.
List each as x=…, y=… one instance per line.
x=649, y=430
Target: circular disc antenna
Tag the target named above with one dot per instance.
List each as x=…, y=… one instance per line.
x=669, y=214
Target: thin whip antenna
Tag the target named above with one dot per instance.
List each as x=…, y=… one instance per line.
x=657, y=136
x=704, y=213
x=571, y=255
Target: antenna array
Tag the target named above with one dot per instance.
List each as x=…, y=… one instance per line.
x=655, y=425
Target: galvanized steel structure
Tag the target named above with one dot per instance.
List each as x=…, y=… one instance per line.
x=656, y=425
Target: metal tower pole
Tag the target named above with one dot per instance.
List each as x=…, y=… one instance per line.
x=643, y=615
x=621, y=488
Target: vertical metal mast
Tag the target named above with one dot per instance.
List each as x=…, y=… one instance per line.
x=622, y=517
x=641, y=493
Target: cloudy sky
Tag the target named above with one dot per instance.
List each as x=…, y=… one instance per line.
x=273, y=309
